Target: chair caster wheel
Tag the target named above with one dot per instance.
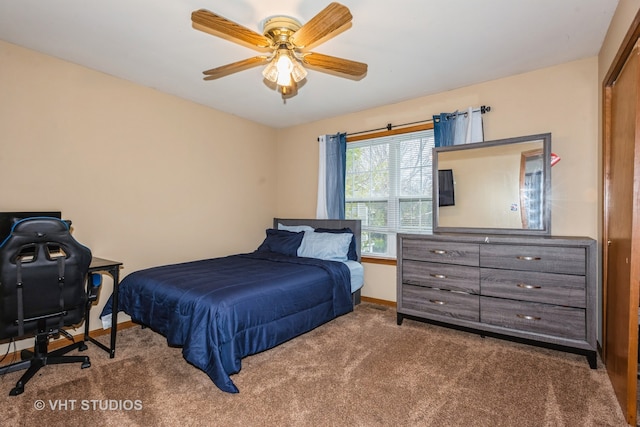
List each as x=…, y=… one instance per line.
x=85, y=365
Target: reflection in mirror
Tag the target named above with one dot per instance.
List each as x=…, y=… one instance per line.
x=501, y=187
x=531, y=186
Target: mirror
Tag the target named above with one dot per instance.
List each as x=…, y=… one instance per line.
x=493, y=187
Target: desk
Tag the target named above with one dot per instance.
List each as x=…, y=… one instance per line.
x=101, y=265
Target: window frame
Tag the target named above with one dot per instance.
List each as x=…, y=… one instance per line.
x=381, y=134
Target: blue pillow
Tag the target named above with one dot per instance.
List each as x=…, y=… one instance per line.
x=352, y=254
x=295, y=228
x=327, y=246
x=282, y=242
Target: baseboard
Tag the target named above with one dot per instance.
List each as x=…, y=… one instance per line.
x=379, y=301
x=101, y=332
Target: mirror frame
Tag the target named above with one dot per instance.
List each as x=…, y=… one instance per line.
x=546, y=155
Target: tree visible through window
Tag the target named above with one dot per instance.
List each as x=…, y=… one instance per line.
x=389, y=188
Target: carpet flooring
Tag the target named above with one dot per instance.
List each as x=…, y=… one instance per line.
x=360, y=369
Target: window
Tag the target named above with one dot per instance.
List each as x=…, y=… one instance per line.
x=388, y=187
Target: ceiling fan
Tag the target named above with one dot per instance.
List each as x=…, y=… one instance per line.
x=284, y=41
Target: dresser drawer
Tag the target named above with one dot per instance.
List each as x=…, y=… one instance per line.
x=442, y=276
x=443, y=252
x=565, y=322
x=550, y=288
x=550, y=259
x=457, y=305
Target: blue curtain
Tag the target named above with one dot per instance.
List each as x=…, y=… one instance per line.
x=444, y=129
x=458, y=127
x=331, y=204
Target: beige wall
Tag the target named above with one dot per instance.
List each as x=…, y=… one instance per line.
x=146, y=178
x=562, y=100
x=624, y=16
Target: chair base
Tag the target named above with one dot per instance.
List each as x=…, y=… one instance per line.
x=33, y=361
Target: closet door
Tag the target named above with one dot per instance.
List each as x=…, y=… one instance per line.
x=621, y=248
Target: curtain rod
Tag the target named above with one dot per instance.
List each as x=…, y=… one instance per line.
x=483, y=109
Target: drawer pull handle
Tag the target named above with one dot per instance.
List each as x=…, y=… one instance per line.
x=437, y=301
x=528, y=317
x=525, y=286
x=439, y=276
x=529, y=258
x=439, y=251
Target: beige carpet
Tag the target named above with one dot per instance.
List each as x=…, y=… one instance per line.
x=358, y=370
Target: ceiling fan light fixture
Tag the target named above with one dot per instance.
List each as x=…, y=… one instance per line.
x=270, y=72
x=298, y=72
x=279, y=68
x=284, y=68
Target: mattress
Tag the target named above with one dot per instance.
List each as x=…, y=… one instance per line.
x=357, y=274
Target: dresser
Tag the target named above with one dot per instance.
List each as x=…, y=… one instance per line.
x=536, y=290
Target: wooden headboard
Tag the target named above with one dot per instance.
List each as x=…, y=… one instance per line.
x=353, y=224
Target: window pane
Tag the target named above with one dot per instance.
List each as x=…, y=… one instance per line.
x=411, y=182
x=358, y=159
x=378, y=214
x=415, y=167
x=415, y=153
x=416, y=214
x=371, y=213
x=374, y=243
x=380, y=156
x=380, y=184
x=358, y=186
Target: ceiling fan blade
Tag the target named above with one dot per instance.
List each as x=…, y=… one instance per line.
x=216, y=25
x=338, y=65
x=324, y=23
x=234, y=67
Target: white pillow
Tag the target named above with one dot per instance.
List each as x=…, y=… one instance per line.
x=327, y=246
x=295, y=228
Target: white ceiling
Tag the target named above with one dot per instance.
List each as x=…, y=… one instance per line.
x=413, y=47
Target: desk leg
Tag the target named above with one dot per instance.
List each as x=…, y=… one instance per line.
x=114, y=271
x=114, y=316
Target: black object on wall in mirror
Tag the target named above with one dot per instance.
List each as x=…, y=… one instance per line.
x=446, y=195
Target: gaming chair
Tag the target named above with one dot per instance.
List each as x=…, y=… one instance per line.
x=43, y=288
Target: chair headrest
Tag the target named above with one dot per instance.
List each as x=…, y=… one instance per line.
x=38, y=228
x=41, y=223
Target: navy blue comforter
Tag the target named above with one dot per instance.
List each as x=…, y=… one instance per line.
x=223, y=309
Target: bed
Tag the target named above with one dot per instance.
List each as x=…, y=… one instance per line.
x=304, y=274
